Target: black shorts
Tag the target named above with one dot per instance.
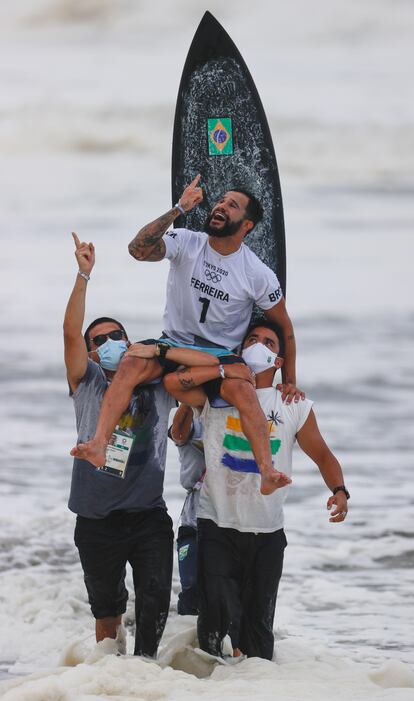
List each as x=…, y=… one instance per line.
x=212, y=388
x=144, y=539
x=167, y=366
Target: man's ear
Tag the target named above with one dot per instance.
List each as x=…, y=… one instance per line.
x=279, y=362
x=249, y=227
x=93, y=355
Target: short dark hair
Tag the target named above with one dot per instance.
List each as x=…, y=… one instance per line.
x=101, y=320
x=265, y=323
x=254, y=210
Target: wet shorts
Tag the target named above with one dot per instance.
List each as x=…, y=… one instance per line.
x=212, y=388
x=144, y=539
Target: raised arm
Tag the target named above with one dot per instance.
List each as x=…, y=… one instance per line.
x=279, y=315
x=148, y=244
x=76, y=354
x=312, y=443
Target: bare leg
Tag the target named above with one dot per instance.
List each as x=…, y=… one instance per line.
x=131, y=372
x=242, y=395
x=107, y=627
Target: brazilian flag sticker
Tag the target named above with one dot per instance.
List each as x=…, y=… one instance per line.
x=220, y=137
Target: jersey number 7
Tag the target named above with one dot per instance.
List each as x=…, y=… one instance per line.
x=205, y=302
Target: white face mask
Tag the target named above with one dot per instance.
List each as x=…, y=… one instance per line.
x=258, y=357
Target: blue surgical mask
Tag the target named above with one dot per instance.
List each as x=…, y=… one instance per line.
x=110, y=353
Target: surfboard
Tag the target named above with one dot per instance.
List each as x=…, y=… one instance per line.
x=221, y=131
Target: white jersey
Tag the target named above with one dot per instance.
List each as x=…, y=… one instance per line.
x=230, y=495
x=211, y=296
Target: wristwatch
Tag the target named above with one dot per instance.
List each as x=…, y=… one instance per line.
x=341, y=488
x=161, y=350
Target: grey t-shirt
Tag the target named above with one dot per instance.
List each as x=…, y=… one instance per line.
x=192, y=469
x=94, y=494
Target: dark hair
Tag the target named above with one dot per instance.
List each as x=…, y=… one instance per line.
x=254, y=210
x=262, y=321
x=100, y=320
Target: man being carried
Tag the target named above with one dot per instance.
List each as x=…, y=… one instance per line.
x=241, y=540
x=213, y=282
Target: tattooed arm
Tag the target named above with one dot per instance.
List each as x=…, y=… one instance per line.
x=148, y=244
x=185, y=383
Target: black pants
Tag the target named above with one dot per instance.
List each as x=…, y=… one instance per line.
x=187, y=566
x=145, y=540
x=239, y=576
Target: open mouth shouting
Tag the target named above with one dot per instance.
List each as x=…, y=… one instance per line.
x=218, y=224
x=217, y=217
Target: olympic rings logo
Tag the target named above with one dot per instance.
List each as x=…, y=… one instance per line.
x=212, y=276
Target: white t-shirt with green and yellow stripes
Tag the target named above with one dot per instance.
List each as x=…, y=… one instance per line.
x=230, y=495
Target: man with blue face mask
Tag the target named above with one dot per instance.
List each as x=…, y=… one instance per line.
x=121, y=513
x=241, y=538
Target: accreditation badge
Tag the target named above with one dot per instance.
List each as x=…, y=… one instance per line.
x=117, y=453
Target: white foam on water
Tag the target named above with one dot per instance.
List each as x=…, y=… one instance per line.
x=297, y=673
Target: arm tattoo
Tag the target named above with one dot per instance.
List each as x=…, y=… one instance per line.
x=185, y=382
x=149, y=236
x=157, y=253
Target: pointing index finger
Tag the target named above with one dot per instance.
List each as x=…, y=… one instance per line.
x=76, y=240
x=196, y=180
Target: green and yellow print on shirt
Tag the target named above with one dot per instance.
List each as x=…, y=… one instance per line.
x=238, y=455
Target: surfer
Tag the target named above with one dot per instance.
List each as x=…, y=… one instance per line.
x=213, y=282
x=240, y=533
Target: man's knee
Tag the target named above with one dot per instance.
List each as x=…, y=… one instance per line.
x=134, y=370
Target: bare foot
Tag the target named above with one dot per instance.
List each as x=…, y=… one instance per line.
x=93, y=451
x=273, y=480
x=236, y=652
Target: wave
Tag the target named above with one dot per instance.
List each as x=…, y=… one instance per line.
x=50, y=129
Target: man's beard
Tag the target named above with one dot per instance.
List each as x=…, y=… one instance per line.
x=227, y=230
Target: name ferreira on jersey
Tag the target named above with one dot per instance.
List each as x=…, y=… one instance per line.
x=209, y=290
x=224, y=296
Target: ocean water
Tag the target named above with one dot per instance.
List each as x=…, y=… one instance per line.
x=88, y=94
